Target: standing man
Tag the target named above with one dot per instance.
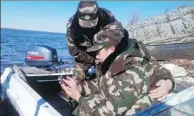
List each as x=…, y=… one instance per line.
x=81, y=27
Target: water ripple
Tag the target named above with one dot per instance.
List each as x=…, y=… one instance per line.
x=14, y=44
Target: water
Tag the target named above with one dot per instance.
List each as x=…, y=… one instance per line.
x=14, y=44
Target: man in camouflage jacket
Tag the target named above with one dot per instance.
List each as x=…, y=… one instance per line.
x=81, y=27
x=129, y=73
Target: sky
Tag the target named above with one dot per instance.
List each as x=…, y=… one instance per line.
x=52, y=16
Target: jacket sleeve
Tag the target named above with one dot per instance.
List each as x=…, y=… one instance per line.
x=118, y=97
x=90, y=87
x=154, y=71
x=111, y=17
x=77, y=53
x=159, y=73
x=108, y=16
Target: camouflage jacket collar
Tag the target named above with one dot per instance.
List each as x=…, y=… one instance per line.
x=123, y=60
x=119, y=60
x=122, y=46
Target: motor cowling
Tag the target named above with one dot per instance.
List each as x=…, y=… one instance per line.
x=41, y=56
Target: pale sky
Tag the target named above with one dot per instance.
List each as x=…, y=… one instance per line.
x=52, y=16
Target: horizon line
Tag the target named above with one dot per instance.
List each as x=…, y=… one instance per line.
x=32, y=30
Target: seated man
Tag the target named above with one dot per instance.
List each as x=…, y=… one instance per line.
x=128, y=74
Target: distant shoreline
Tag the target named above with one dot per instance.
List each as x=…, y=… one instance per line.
x=33, y=30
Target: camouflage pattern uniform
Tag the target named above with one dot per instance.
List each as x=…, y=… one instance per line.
x=123, y=88
x=79, y=40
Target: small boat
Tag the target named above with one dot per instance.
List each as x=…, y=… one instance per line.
x=34, y=90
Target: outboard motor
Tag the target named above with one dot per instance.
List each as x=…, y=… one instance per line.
x=41, y=56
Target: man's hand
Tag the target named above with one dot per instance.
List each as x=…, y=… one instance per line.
x=71, y=88
x=164, y=86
